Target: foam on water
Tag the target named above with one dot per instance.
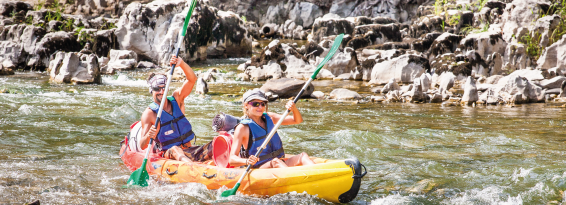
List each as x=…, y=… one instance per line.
x=488, y=195
x=392, y=200
x=521, y=174
x=123, y=80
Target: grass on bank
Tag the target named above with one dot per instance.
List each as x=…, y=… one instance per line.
x=532, y=40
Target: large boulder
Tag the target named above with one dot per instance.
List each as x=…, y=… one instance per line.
x=120, y=60
x=445, y=43
x=28, y=46
x=516, y=57
x=554, y=55
x=513, y=89
x=470, y=91
x=390, y=86
x=484, y=43
x=552, y=83
x=446, y=82
x=304, y=13
x=343, y=8
x=152, y=30
x=519, y=14
x=6, y=71
x=9, y=7
x=69, y=68
x=379, y=33
x=416, y=93
x=404, y=69
x=287, y=87
x=276, y=14
x=344, y=94
x=342, y=62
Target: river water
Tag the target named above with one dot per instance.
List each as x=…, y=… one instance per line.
x=59, y=144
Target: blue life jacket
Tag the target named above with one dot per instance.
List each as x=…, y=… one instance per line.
x=274, y=149
x=175, y=129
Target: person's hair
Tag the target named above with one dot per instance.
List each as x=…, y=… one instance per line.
x=246, y=111
x=152, y=74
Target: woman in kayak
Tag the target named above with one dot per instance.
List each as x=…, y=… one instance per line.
x=253, y=130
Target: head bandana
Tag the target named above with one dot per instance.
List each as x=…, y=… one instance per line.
x=157, y=81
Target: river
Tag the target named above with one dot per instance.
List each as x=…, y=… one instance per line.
x=59, y=144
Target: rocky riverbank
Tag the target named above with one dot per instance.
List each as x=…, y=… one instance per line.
x=456, y=52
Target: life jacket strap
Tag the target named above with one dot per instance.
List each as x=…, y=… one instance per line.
x=178, y=139
x=273, y=154
x=173, y=121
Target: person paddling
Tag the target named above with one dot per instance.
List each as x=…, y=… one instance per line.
x=253, y=129
x=174, y=133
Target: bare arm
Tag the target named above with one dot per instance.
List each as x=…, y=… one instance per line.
x=241, y=135
x=185, y=90
x=148, y=130
x=289, y=120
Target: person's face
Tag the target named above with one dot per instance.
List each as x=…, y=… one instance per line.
x=157, y=93
x=256, y=107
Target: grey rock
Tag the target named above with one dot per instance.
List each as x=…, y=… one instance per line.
x=552, y=83
x=304, y=14
x=404, y=69
x=344, y=94
x=201, y=87
x=287, y=87
x=470, y=91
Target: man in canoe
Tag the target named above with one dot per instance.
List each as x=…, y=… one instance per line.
x=174, y=134
x=254, y=128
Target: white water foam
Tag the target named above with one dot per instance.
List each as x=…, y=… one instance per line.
x=123, y=80
x=521, y=174
x=392, y=200
x=489, y=195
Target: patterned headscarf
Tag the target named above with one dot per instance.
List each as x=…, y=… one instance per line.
x=157, y=81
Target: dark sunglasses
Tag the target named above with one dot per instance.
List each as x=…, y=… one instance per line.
x=157, y=89
x=257, y=104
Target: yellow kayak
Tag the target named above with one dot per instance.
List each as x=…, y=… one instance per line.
x=332, y=180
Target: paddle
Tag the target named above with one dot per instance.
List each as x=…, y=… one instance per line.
x=333, y=49
x=140, y=176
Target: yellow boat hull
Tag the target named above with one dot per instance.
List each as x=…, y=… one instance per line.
x=332, y=180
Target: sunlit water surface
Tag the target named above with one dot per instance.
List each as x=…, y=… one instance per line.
x=59, y=144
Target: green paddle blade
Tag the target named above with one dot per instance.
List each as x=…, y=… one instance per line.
x=139, y=177
x=337, y=42
x=231, y=192
x=188, y=17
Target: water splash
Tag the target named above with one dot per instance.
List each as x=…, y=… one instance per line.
x=123, y=80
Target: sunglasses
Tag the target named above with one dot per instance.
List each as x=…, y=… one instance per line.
x=257, y=104
x=157, y=89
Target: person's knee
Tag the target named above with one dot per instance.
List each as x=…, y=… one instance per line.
x=304, y=154
x=277, y=163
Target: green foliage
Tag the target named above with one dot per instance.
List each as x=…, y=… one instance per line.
x=39, y=5
x=439, y=7
x=534, y=50
x=469, y=29
x=13, y=14
x=82, y=36
x=107, y=25
x=442, y=26
x=244, y=19
x=480, y=4
x=485, y=27
x=454, y=20
x=68, y=25
x=29, y=20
